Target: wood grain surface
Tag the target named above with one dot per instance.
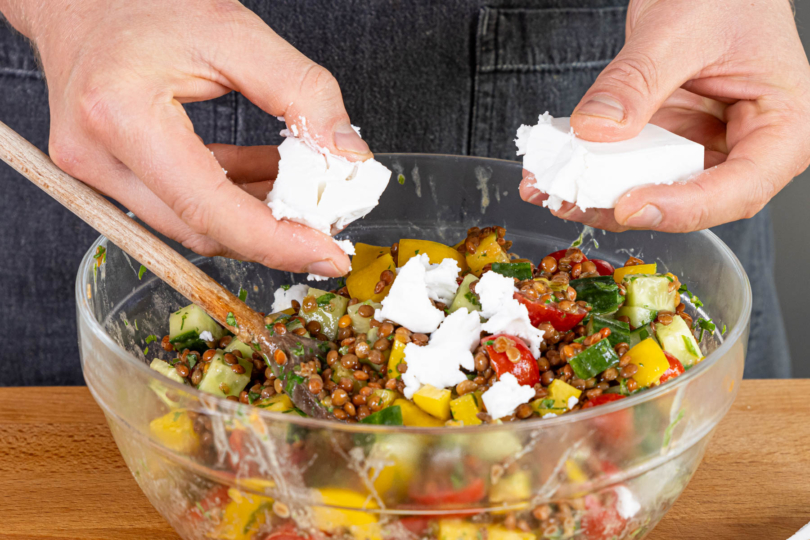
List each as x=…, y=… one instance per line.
x=62, y=478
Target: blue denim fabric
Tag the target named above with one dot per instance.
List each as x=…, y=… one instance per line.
x=456, y=77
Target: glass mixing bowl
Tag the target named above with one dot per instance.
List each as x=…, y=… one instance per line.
x=607, y=472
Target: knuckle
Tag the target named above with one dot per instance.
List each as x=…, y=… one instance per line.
x=96, y=107
x=202, y=245
x=66, y=155
x=195, y=215
x=318, y=82
x=636, y=71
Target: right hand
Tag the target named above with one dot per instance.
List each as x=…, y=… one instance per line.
x=118, y=72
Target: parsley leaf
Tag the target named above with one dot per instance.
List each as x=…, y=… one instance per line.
x=298, y=350
x=706, y=325
x=401, y=179
x=694, y=299
x=285, y=287
x=690, y=347
x=141, y=272
x=325, y=300
x=150, y=338
x=472, y=299
x=242, y=294
x=192, y=360
x=231, y=320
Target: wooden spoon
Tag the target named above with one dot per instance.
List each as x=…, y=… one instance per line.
x=282, y=353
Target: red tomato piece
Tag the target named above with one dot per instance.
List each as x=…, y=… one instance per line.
x=675, y=369
x=240, y=458
x=525, y=369
x=600, y=522
x=216, y=499
x=437, y=496
x=561, y=253
x=602, y=399
x=286, y=532
x=540, y=312
x=603, y=267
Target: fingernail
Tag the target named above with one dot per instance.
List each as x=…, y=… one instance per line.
x=603, y=106
x=347, y=139
x=646, y=218
x=323, y=268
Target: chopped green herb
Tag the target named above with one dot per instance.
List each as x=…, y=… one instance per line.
x=285, y=287
x=325, y=299
x=416, y=252
x=150, y=338
x=490, y=342
x=298, y=350
x=671, y=427
x=136, y=325
x=471, y=298
x=693, y=298
x=706, y=325
x=182, y=320
x=343, y=350
x=242, y=294
x=401, y=179
x=141, y=272
x=253, y=396
x=723, y=333
x=192, y=360
x=256, y=347
x=146, y=351
x=690, y=346
x=293, y=380
x=578, y=242
x=231, y=320
x=547, y=404
x=100, y=255
x=341, y=282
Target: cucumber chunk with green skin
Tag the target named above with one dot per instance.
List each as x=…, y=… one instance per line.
x=464, y=298
x=331, y=307
x=390, y=416
x=522, y=270
x=236, y=345
x=220, y=380
x=619, y=331
x=360, y=324
x=638, y=316
x=594, y=360
x=650, y=292
x=640, y=334
x=186, y=325
x=677, y=339
x=295, y=324
x=601, y=292
x=165, y=369
x=621, y=389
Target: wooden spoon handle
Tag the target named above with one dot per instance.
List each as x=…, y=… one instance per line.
x=127, y=234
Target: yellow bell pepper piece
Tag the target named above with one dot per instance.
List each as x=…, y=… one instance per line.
x=489, y=251
x=175, y=431
x=243, y=516
x=559, y=393
x=434, y=401
x=619, y=273
x=277, y=403
x=414, y=416
x=465, y=409
x=455, y=529
x=330, y=519
x=436, y=252
x=511, y=489
x=574, y=472
x=651, y=362
x=397, y=357
x=361, y=283
x=365, y=254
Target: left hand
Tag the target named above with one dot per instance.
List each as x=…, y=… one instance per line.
x=730, y=75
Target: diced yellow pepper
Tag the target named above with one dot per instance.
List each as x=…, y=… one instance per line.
x=511, y=489
x=175, y=431
x=361, y=283
x=465, y=409
x=274, y=316
x=330, y=519
x=434, y=401
x=651, y=362
x=574, y=472
x=277, y=403
x=365, y=254
x=559, y=392
x=456, y=529
x=489, y=251
x=436, y=252
x=619, y=273
x=243, y=516
x=414, y=416
x=397, y=357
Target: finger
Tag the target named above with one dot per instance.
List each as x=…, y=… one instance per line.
x=260, y=190
x=696, y=126
x=247, y=164
x=171, y=161
x=283, y=82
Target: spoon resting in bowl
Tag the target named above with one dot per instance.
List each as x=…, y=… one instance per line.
x=282, y=353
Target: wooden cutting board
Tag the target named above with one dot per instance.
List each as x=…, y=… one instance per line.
x=61, y=476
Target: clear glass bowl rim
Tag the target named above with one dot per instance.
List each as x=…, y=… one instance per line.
x=225, y=406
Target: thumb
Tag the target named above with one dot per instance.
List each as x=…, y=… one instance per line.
x=656, y=60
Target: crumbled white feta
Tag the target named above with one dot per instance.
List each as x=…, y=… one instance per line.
x=316, y=277
x=346, y=246
x=408, y=300
x=322, y=190
x=441, y=280
x=282, y=299
x=450, y=348
x=504, y=396
x=626, y=503
x=573, y=400
x=505, y=314
x=205, y=335
x=548, y=415
x=595, y=175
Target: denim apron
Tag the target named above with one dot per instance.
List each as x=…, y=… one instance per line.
x=449, y=76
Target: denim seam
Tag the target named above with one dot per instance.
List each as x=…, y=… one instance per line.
x=22, y=73
x=545, y=67
x=234, y=118
x=560, y=10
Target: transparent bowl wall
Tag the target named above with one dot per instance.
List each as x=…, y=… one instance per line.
x=612, y=471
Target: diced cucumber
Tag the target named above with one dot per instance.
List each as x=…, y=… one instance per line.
x=186, y=325
x=601, y=292
x=619, y=331
x=640, y=334
x=361, y=324
x=638, y=316
x=220, y=380
x=390, y=416
x=165, y=369
x=340, y=372
x=331, y=307
x=621, y=388
x=520, y=270
x=388, y=396
x=650, y=292
x=236, y=345
x=295, y=324
x=677, y=340
x=464, y=298
x=594, y=360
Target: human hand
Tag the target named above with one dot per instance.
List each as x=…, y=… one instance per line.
x=118, y=72
x=730, y=75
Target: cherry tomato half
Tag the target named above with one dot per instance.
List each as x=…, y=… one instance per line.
x=603, y=267
x=438, y=496
x=602, y=399
x=540, y=312
x=601, y=522
x=525, y=369
x=675, y=369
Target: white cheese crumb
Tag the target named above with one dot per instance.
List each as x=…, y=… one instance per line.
x=504, y=396
x=282, y=299
x=626, y=505
x=548, y=415
x=441, y=280
x=408, y=301
x=206, y=336
x=450, y=348
x=316, y=277
x=346, y=246
x=595, y=175
x=573, y=400
x=321, y=190
x=505, y=314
